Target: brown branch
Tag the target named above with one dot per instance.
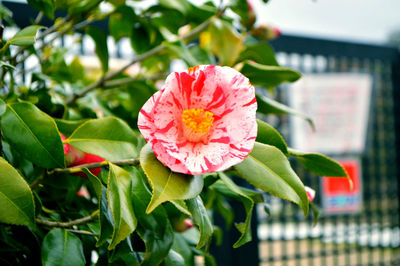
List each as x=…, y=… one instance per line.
x=78, y=168
x=101, y=82
x=79, y=221
x=123, y=81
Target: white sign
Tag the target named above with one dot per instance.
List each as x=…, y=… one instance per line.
x=338, y=103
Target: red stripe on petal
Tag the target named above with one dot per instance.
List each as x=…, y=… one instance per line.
x=199, y=83
x=218, y=117
x=166, y=128
x=239, y=149
x=186, y=85
x=208, y=164
x=177, y=103
x=251, y=102
x=224, y=140
x=218, y=98
x=147, y=115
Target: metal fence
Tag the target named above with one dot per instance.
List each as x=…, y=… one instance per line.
x=371, y=237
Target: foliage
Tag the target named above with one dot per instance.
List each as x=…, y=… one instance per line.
x=130, y=213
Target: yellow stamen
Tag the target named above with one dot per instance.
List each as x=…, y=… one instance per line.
x=197, y=120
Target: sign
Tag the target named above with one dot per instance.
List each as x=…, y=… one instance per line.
x=337, y=196
x=338, y=104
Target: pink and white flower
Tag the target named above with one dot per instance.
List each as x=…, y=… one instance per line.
x=310, y=193
x=202, y=120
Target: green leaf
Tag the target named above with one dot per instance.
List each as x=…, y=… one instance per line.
x=241, y=8
x=5, y=64
x=154, y=228
x=118, y=195
x=182, y=6
x=166, y=184
x=3, y=107
x=106, y=219
x=100, y=39
x=46, y=6
x=225, y=42
x=261, y=53
x=174, y=259
x=34, y=134
x=121, y=22
x=236, y=193
x=268, y=135
x=108, y=137
x=315, y=213
x=268, y=169
x=61, y=247
x=268, y=76
x=26, y=36
x=201, y=218
x=319, y=164
x=68, y=126
x=16, y=199
x=268, y=106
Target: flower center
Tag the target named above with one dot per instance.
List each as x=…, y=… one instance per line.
x=197, y=123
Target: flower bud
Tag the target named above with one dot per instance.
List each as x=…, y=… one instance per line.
x=183, y=224
x=75, y=157
x=310, y=193
x=251, y=16
x=265, y=32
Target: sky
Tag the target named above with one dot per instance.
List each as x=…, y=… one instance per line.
x=368, y=21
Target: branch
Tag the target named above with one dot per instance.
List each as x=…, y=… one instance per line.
x=123, y=81
x=101, y=82
x=78, y=168
x=79, y=221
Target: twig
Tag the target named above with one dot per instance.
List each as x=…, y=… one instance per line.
x=79, y=221
x=123, y=81
x=82, y=232
x=78, y=168
x=36, y=183
x=139, y=58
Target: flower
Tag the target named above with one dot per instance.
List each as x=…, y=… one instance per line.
x=75, y=157
x=310, y=193
x=202, y=120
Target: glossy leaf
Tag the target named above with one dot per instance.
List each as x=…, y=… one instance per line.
x=268, y=169
x=106, y=220
x=268, y=106
x=108, y=137
x=46, y=6
x=268, y=76
x=166, y=184
x=118, y=195
x=240, y=7
x=61, y=247
x=154, y=229
x=224, y=41
x=16, y=199
x=201, y=218
x=68, y=126
x=182, y=6
x=268, y=135
x=174, y=259
x=319, y=164
x=100, y=39
x=261, y=53
x=26, y=36
x=236, y=193
x=121, y=22
x=34, y=134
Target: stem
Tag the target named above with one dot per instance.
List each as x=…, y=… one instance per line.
x=79, y=221
x=36, y=182
x=78, y=168
x=101, y=82
x=119, y=82
x=82, y=232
